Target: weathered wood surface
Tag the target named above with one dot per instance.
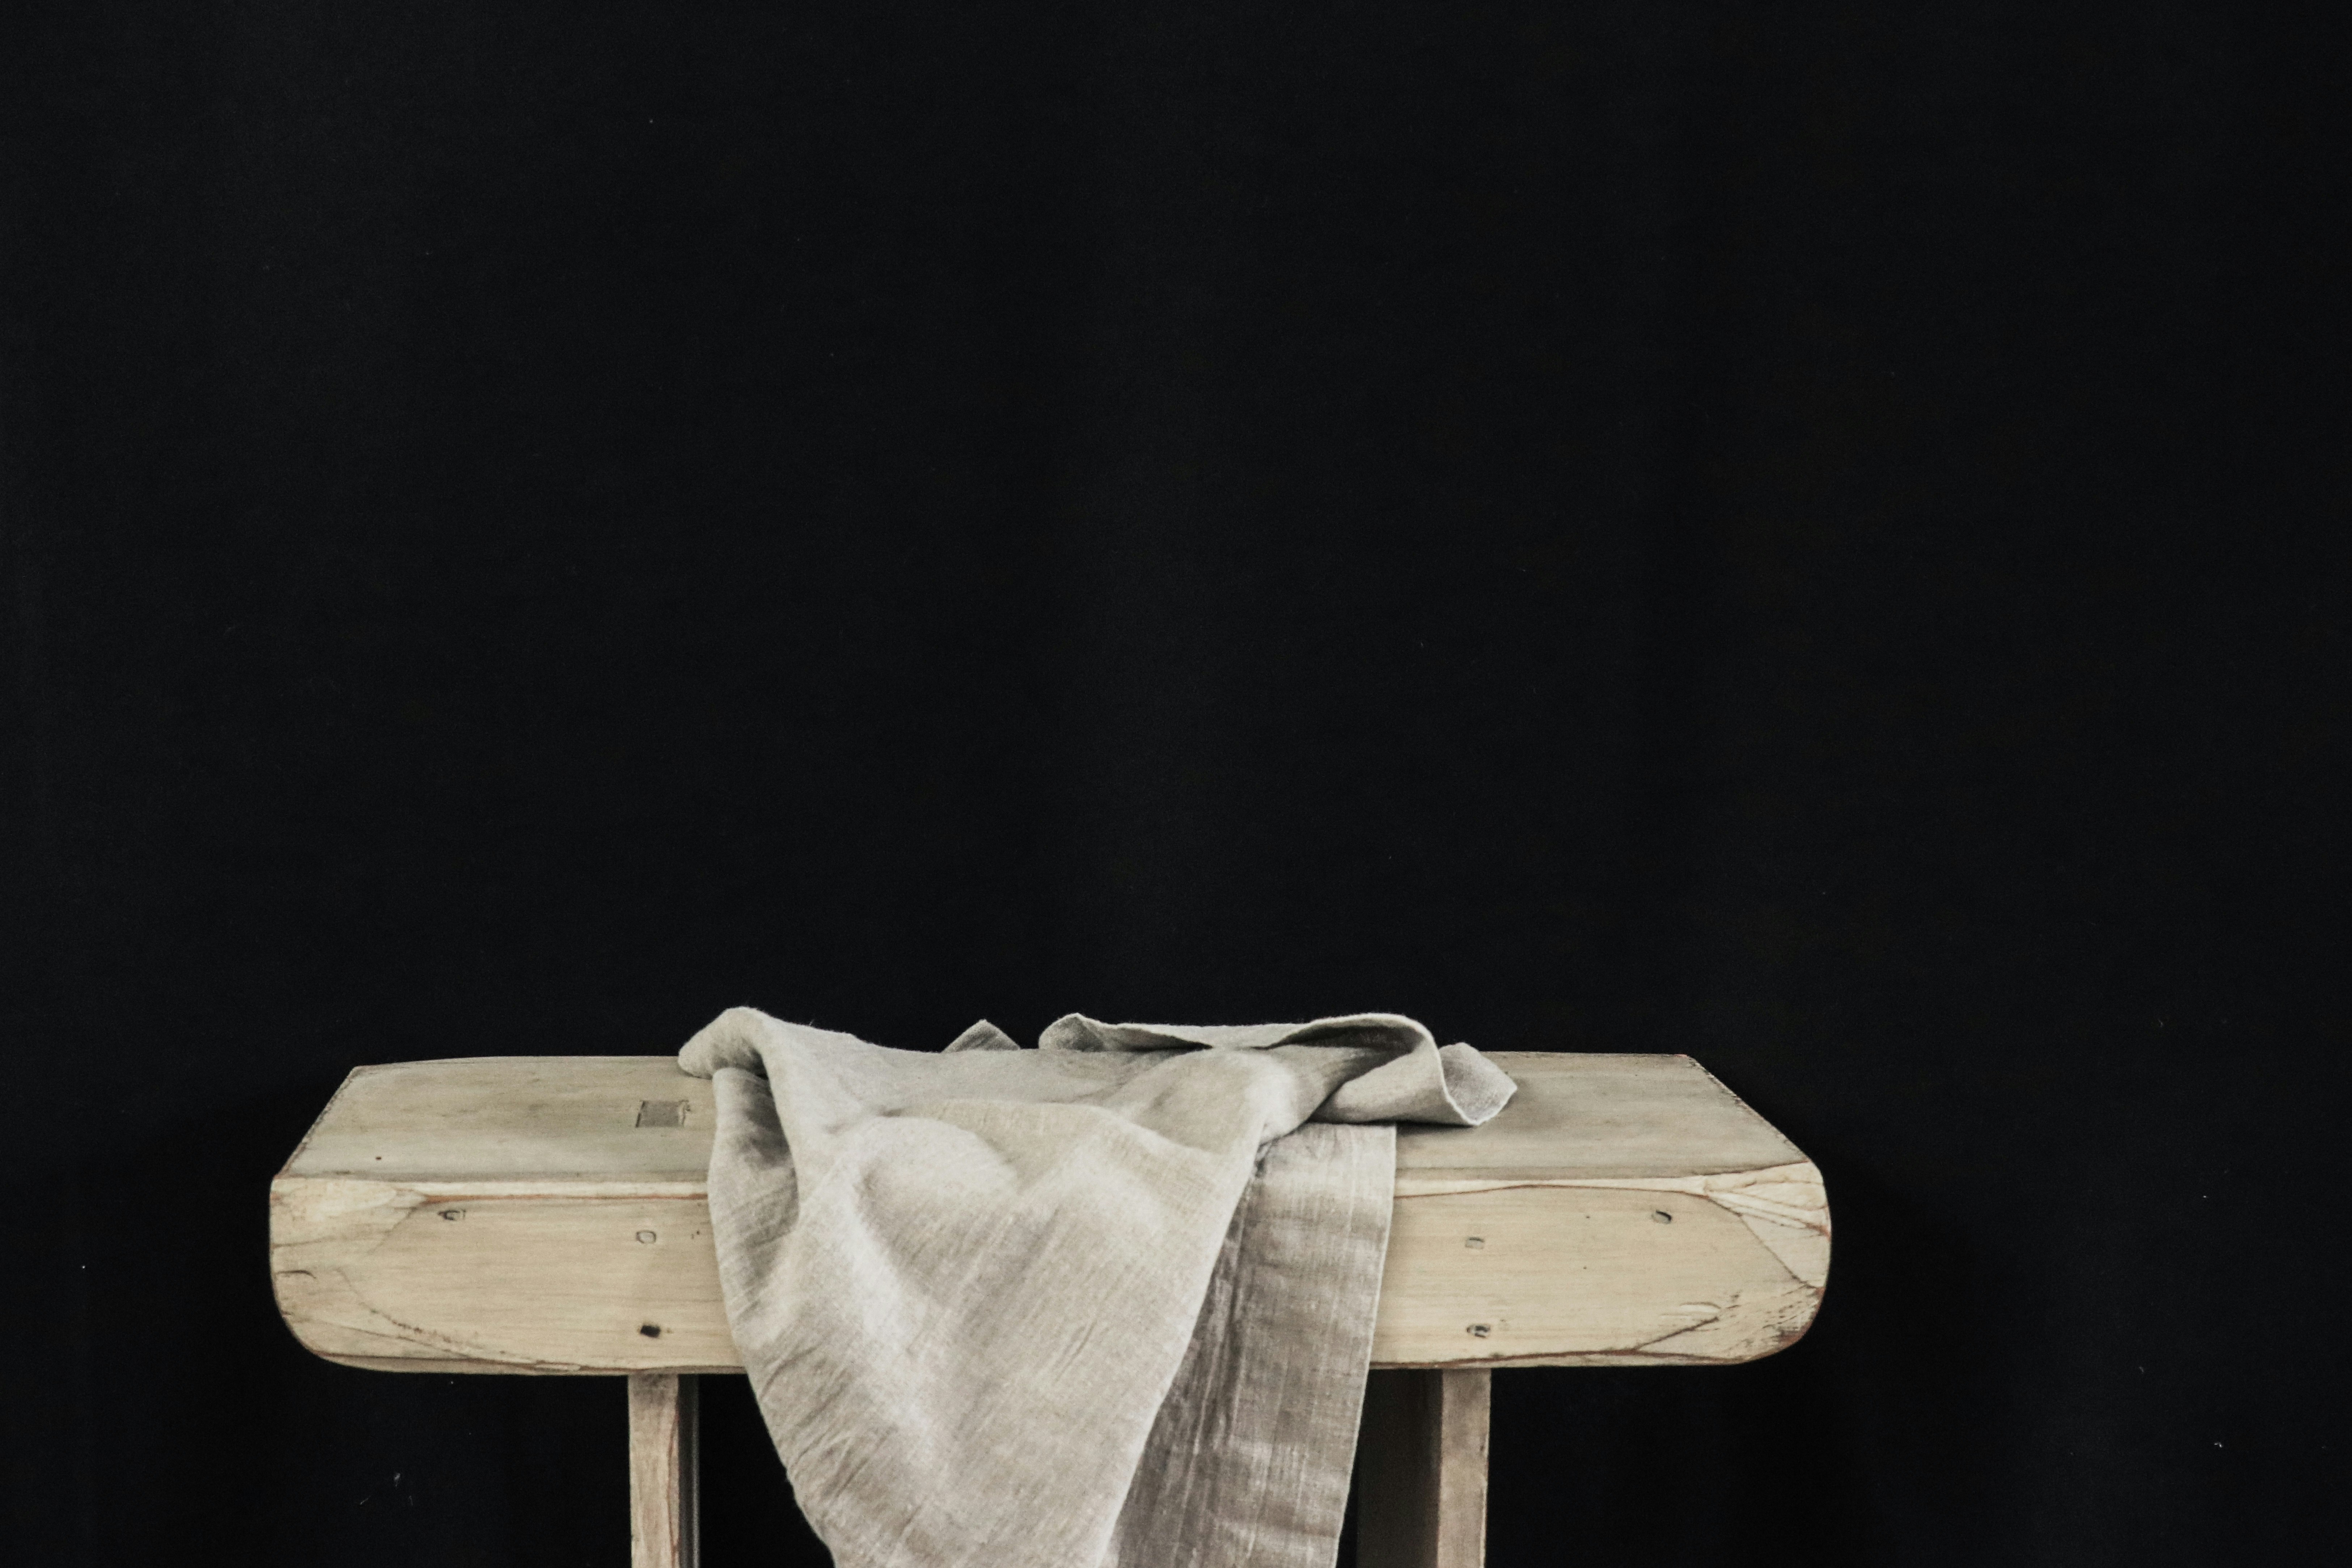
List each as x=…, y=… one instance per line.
x=549, y=1213
x=1421, y=1469
x=665, y=1483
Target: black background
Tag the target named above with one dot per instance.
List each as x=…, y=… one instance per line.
x=1811, y=535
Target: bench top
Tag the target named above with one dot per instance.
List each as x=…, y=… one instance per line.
x=639, y=1120
x=549, y=1213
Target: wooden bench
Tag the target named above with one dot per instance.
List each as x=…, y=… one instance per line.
x=547, y=1215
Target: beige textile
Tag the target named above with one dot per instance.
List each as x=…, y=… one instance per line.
x=1107, y=1303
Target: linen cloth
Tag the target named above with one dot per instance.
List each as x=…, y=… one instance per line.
x=1107, y=1303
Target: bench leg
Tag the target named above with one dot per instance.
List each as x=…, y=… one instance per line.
x=663, y=1488
x=1420, y=1471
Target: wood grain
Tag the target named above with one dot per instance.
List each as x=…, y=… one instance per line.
x=1421, y=1469
x=530, y=1214
x=664, y=1471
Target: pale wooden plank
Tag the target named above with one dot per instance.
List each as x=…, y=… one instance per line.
x=530, y=1119
x=1569, y=1275
x=474, y=1119
x=511, y=1284
x=664, y=1470
x=1421, y=1469
x=549, y=1214
x=1580, y=1115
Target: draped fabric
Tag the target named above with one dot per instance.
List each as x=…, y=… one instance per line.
x=1105, y=1302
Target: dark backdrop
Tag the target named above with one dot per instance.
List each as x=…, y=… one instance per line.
x=1806, y=534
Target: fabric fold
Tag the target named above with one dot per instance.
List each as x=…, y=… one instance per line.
x=1109, y=1301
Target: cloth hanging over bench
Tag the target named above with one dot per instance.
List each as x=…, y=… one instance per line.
x=1107, y=1303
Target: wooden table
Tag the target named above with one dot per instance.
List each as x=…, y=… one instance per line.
x=547, y=1215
